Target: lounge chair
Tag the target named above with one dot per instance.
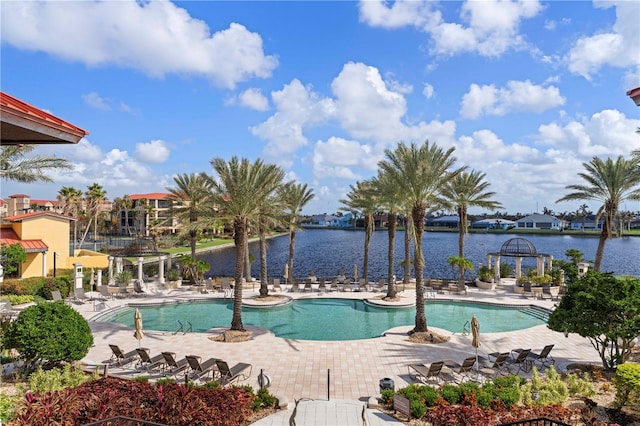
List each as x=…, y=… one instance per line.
x=519, y=359
x=236, y=373
x=496, y=367
x=148, y=363
x=334, y=285
x=7, y=310
x=104, y=291
x=462, y=371
x=456, y=288
x=295, y=287
x=543, y=357
x=308, y=286
x=226, y=287
x=198, y=368
x=137, y=288
x=78, y=296
x=526, y=290
x=423, y=373
x=174, y=366
x=118, y=356
x=122, y=291
x=56, y=296
x=276, y=285
x=322, y=286
x=381, y=285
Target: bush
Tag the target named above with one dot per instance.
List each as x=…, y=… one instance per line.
x=57, y=378
x=417, y=408
x=22, y=287
x=552, y=390
x=263, y=400
x=451, y=393
x=627, y=381
x=49, y=333
x=124, y=277
x=386, y=397
x=579, y=386
x=62, y=284
x=7, y=407
x=15, y=300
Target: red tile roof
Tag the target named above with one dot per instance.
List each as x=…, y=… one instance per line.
x=151, y=196
x=18, y=218
x=9, y=237
x=19, y=196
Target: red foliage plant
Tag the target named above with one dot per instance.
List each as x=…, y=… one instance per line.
x=170, y=403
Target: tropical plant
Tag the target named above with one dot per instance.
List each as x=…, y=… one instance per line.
x=294, y=196
x=605, y=310
x=460, y=263
x=610, y=183
x=12, y=257
x=363, y=198
x=270, y=216
x=124, y=277
x=71, y=200
x=241, y=188
x=95, y=195
x=194, y=268
x=48, y=333
x=464, y=190
x=420, y=172
x=190, y=200
x=17, y=166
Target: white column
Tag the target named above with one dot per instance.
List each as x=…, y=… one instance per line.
x=540, y=265
x=489, y=261
x=77, y=275
x=518, y=267
x=118, y=265
x=161, y=269
x=496, y=270
x=44, y=264
x=140, y=260
x=1, y=273
x=550, y=264
x=99, y=279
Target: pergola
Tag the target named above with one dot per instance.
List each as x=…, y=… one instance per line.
x=518, y=248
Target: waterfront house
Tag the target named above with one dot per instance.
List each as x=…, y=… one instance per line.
x=494, y=223
x=442, y=222
x=321, y=220
x=540, y=221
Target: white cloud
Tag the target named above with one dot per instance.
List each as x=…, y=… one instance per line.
x=156, y=151
x=489, y=28
x=516, y=96
x=96, y=101
x=157, y=38
x=336, y=157
x=251, y=98
x=427, y=91
x=620, y=47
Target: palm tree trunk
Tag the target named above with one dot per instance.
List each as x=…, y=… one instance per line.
x=264, y=289
x=418, y=213
x=605, y=234
x=240, y=236
x=192, y=242
x=408, y=225
x=391, y=230
x=462, y=230
x=367, y=242
x=292, y=243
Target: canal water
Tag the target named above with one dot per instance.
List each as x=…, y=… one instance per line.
x=330, y=251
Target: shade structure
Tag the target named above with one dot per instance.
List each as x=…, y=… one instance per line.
x=475, y=342
x=137, y=321
x=355, y=272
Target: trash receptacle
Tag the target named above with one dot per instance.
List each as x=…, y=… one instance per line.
x=386, y=383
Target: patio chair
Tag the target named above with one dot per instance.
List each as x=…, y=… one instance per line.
x=496, y=367
x=362, y=285
x=456, y=288
x=7, y=310
x=307, y=286
x=118, y=356
x=295, y=286
x=56, y=296
x=322, y=286
x=226, y=287
x=526, y=290
x=276, y=285
x=122, y=291
x=462, y=371
x=423, y=373
x=544, y=358
x=137, y=288
x=78, y=296
x=174, y=366
x=148, y=363
x=236, y=373
x=380, y=286
x=199, y=369
x=519, y=359
x=104, y=291
x=334, y=285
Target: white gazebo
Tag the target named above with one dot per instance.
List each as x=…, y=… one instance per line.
x=519, y=248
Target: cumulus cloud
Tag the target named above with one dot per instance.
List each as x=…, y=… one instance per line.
x=156, y=151
x=96, y=101
x=427, y=91
x=250, y=98
x=337, y=156
x=489, y=28
x=516, y=96
x=157, y=38
x=619, y=47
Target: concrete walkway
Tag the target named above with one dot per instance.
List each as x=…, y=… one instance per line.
x=299, y=369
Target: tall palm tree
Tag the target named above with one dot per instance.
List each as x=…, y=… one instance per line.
x=294, y=196
x=190, y=199
x=270, y=216
x=467, y=189
x=17, y=166
x=420, y=172
x=391, y=200
x=240, y=189
x=95, y=195
x=71, y=200
x=610, y=183
x=364, y=199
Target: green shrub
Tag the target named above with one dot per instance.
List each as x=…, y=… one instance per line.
x=57, y=378
x=62, y=284
x=551, y=390
x=141, y=379
x=451, y=393
x=124, y=277
x=486, y=394
x=8, y=407
x=508, y=395
x=48, y=333
x=263, y=399
x=627, y=381
x=164, y=381
x=510, y=381
x=211, y=385
x=22, y=287
x=386, y=397
x=429, y=395
x=469, y=392
x=16, y=300
x=417, y=408
x=579, y=385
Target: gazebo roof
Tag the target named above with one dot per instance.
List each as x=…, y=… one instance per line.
x=518, y=247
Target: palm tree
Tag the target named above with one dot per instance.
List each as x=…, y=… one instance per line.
x=467, y=189
x=610, y=183
x=94, y=197
x=71, y=200
x=16, y=166
x=583, y=212
x=363, y=198
x=294, y=197
x=270, y=216
x=241, y=188
x=391, y=200
x=420, y=172
x=190, y=199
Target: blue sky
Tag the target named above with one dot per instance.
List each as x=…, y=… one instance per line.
x=526, y=91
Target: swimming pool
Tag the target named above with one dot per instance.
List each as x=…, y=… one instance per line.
x=326, y=319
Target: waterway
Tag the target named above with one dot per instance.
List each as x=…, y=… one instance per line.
x=329, y=251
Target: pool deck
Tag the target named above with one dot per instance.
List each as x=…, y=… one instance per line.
x=336, y=370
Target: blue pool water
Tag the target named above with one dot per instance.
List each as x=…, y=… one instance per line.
x=326, y=319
